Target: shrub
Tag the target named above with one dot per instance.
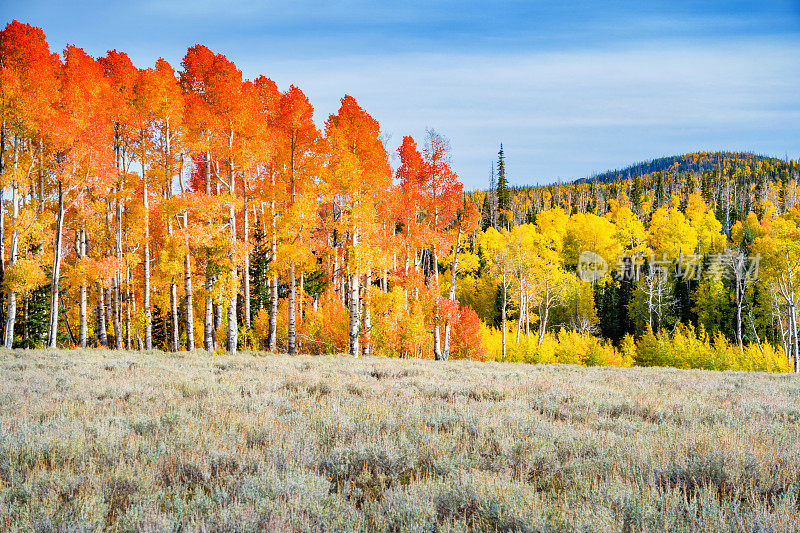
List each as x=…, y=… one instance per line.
x=326, y=330
x=581, y=349
x=466, y=341
x=567, y=347
x=364, y=475
x=690, y=348
x=462, y=504
x=653, y=350
x=261, y=329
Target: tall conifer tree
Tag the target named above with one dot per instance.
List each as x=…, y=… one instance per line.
x=503, y=195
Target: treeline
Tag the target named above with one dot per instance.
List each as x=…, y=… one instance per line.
x=154, y=208
x=709, y=252
x=695, y=162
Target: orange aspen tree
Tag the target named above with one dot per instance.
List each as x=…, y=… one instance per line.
x=269, y=97
x=199, y=121
x=235, y=104
x=28, y=88
x=466, y=222
x=82, y=136
x=296, y=165
x=409, y=176
x=440, y=201
x=165, y=107
x=357, y=166
x=122, y=76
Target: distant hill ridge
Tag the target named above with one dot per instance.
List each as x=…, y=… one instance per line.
x=697, y=161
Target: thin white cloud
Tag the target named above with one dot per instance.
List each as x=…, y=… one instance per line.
x=650, y=101
x=568, y=91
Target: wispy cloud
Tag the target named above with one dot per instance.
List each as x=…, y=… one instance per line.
x=569, y=114
x=569, y=88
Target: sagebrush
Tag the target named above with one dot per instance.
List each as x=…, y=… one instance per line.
x=126, y=441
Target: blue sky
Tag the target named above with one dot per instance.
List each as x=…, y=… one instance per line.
x=569, y=88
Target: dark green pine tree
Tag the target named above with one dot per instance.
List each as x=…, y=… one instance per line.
x=315, y=281
x=30, y=328
x=636, y=193
x=259, y=294
x=611, y=302
x=503, y=194
x=683, y=305
x=659, y=188
x=160, y=328
x=486, y=213
x=706, y=186
x=489, y=207
x=606, y=298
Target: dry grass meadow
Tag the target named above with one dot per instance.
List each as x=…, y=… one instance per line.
x=97, y=440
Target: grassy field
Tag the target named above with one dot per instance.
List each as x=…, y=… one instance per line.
x=98, y=440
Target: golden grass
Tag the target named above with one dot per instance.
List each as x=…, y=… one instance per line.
x=93, y=440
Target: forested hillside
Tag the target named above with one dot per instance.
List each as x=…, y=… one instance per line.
x=702, y=250
x=695, y=162
x=178, y=209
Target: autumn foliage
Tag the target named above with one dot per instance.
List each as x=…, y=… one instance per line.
x=193, y=207
x=180, y=208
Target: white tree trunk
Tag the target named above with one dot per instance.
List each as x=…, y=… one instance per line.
x=102, y=336
x=187, y=289
x=11, y=314
x=148, y=317
x=52, y=333
x=272, y=337
x=209, y=338
x=367, y=312
x=291, y=333
x=437, y=338
x=452, y=295
x=173, y=305
x=233, y=332
x=505, y=294
x=83, y=326
x=354, y=298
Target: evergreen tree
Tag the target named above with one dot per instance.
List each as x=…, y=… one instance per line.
x=606, y=299
x=259, y=275
x=30, y=328
x=636, y=193
x=316, y=281
x=160, y=330
x=706, y=186
x=486, y=213
x=683, y=304
x=659, y=188
x=489, y=205
x=503, y=194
